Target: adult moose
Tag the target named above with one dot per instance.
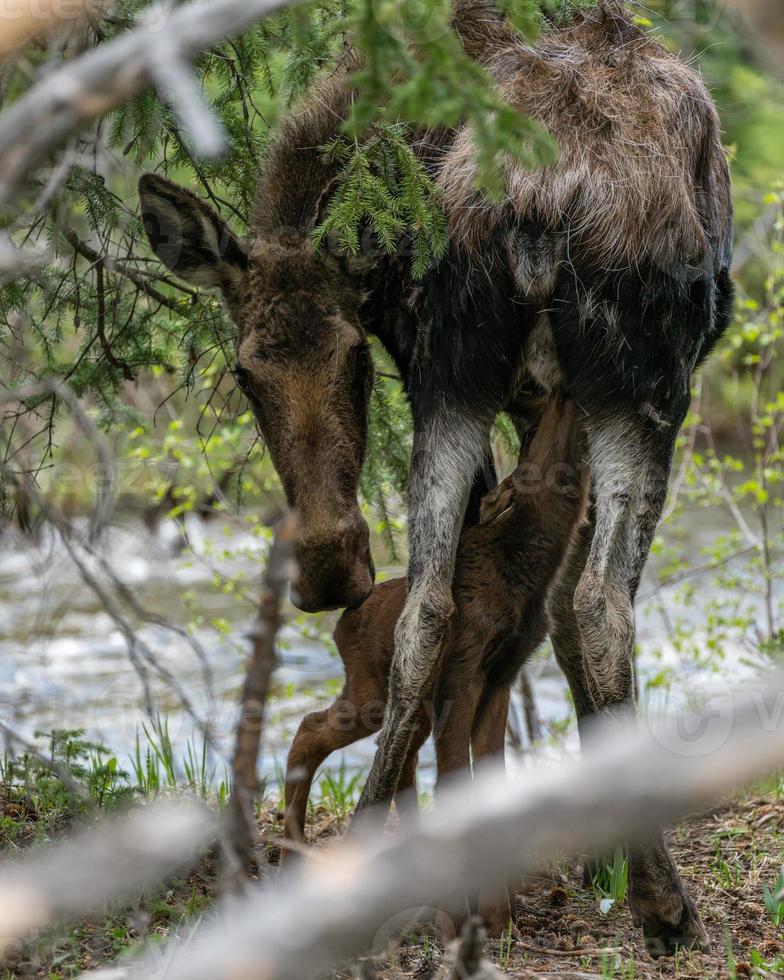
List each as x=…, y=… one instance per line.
x=604, y=275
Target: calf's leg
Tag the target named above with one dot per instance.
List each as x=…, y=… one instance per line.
x=319, y=735
x=474, y=727
x=456, y=699
x=496, y=905
x=564, y=628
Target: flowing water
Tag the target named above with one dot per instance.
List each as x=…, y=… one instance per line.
x=65, y=661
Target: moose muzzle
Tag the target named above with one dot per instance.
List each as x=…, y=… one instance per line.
x=335, y=567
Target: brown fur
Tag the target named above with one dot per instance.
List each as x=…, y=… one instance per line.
x=641, y=173
x=504, y=568
x=640, y=157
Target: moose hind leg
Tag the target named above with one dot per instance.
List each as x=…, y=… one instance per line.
x=406, y=799
x=630, y=463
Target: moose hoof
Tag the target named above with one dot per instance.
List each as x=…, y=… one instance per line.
x=664, y=936
x=495, y=912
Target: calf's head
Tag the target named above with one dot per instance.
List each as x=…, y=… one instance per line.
x=303, y=363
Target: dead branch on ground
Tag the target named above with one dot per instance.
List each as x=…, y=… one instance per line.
x=628, y=788
x=99, y=866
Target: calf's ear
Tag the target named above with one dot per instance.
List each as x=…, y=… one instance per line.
x=189, y=237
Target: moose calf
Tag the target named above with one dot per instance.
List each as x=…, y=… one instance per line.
x=505, y=565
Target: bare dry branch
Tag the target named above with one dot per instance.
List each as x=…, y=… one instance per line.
x=15, y=262
x=100, y=865
x=89, y=253
x=105, y=484
x=262, y=663
x=469, y=962
x=90, y=86
x=177, y=85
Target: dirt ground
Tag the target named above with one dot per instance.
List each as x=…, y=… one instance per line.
x=726, y=857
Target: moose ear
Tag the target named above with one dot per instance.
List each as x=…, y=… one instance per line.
x=189, y=237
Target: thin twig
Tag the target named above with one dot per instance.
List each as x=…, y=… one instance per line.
x=89, y=253
x=572, y=953
x=100, y=325
x=255, y=690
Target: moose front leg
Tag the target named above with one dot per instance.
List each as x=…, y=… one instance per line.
x=448, y=450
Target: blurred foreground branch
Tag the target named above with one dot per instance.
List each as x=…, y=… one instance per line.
x=99, y=866
x=156, y=52
x=626, y=789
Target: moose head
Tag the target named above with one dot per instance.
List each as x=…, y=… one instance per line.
x=304, y=364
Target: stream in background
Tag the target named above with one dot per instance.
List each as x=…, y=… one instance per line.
x=64, y=662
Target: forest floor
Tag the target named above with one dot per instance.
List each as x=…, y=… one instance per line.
x=727, y=856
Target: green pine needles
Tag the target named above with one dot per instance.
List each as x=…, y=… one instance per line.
x=416, y=72
x=382, y=185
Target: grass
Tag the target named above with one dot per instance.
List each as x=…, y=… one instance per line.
x=37, y=803
x=774, y=901
x=340, y=791
x=505, y=950
x=615, y=967
x=156, y=767
x=729, y=873
x=611, y=882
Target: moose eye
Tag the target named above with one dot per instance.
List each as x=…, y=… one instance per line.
x=242, y=377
